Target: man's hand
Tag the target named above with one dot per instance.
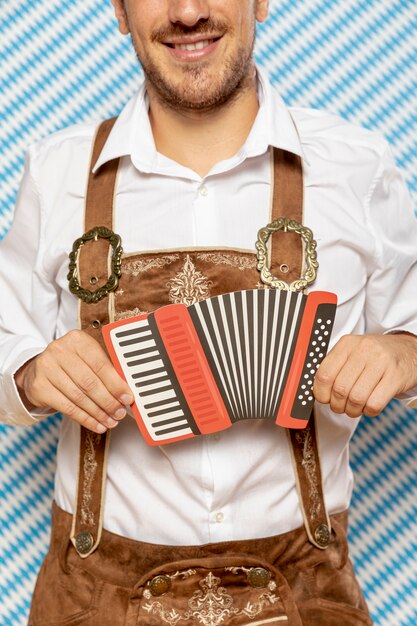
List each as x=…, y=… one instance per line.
x=74, y=376
x=362, y=373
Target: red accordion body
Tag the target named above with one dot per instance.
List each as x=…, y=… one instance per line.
x=243, y=355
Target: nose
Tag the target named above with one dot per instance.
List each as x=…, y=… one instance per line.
x=188, y=12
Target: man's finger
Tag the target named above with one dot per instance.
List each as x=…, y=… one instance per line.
x=88, y=384
x=60, y=403
x=66, y=385
x=328, y=371
x=344, y=382
x=100, y=364
x=363, y=389
x=383, y=393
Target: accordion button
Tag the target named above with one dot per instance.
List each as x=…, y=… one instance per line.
x=322, y=535
x=259, y=577
x=84, y=542
x=159, y=585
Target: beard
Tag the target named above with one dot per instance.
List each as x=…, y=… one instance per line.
x=199, y=88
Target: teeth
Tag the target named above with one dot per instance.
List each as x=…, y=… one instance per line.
x=193, y=46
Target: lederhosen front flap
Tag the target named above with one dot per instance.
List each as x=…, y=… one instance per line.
x=286, y=256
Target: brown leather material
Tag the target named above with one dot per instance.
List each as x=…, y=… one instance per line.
x=286, y=249
x=93, y=264
x=94, y=255
x=187, y=276
x=304, y=449
x=307, y=587
x=88, y=517
x=152, y=280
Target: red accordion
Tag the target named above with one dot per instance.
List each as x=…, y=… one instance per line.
x=242, y=355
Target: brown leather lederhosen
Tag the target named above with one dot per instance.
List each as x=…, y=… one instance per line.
x=93, y=577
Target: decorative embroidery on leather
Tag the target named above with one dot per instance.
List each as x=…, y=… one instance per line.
x=264, y=600
x=212, y=605
x=123, y=315
x=236, y=570
x=183, y=574
x=168, y=616
x=138, y=266
x=189, y=285
x=309, y=464
x=235, y=260
x=90, y=467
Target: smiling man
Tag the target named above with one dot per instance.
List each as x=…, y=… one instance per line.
x=248, y=525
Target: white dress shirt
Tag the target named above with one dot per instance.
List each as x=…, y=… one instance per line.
x=239, y=483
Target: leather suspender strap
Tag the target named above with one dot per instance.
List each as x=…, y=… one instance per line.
x=286, y=249
x=93, y=271
x=287, y=263
x=306, y=461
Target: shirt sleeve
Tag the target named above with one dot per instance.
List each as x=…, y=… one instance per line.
x=391, y=301
x=29, y=302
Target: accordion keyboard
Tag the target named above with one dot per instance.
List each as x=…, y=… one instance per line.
x=157, y=392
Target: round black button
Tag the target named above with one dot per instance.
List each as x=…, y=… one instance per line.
x=322, y=535
x=159, y=585
x=84, y=542
x=259, y=577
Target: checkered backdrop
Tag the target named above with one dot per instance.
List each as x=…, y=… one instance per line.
x=62, y=62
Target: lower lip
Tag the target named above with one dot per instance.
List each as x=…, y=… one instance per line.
x=193, y=55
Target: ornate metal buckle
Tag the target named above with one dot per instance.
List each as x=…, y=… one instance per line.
x=310, y=272
x=116, y=264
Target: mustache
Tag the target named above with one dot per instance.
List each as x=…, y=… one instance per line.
x=202, y=27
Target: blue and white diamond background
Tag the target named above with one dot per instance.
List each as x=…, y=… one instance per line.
x=62, y=62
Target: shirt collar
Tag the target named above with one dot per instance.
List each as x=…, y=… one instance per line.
x=132, y=136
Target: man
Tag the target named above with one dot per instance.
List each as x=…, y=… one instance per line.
x=193, y=187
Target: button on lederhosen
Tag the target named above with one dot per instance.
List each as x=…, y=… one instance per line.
x=159, y=585
x=259, y=577
x=84, y=542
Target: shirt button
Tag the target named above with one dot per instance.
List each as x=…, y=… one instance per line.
x=219, y=517
x=203, y=190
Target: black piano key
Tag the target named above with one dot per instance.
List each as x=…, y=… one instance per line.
x=165, y=411
x=149, y=359
x=159, y=403
x=128, y=355
x=153, y=392
x=152, y=381
x=132, y=331
x=157, y=370
x=131, y=342
x=173, y=429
